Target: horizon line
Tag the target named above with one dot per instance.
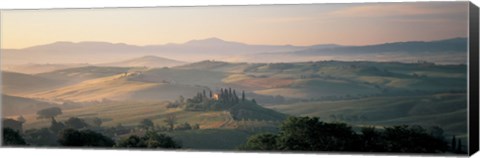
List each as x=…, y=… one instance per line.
x=223, y=40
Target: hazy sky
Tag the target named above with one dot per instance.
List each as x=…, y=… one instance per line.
x=347, y=24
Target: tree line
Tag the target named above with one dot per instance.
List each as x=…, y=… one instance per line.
x=76, y=132
x=311, y=134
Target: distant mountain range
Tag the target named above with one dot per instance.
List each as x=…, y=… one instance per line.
x=218, y=49
x=455, y=45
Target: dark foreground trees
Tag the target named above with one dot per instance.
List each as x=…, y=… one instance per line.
x=12, y=138
x=310, y=134
x=150, y=140
x=76, y=133
x=75, y=138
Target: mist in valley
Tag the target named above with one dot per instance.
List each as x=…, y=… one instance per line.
x=199, y=92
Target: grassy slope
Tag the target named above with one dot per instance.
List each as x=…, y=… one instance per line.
x=182, y=76
x=75, y=75
x=19, y=84
x=119, y=87
x=332, y=78
x=131, y=113
x=446, y=110
x=12, y=105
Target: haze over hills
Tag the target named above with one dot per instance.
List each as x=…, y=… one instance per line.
x=362, y=93
x=454, y=45
x=13, y=105
x=39, y=68
x=146, y=61
x=127, y=81
x=118, y=87
x=448, y=51
x=104, y=52
x=17, y=83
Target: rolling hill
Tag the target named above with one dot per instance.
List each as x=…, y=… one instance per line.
x=118, y=87
x=79, y=74
x=13, y=106
x=39, y=68
x=146, y=61
x=446, y=110
x=359, y=92
x=17, y=83
x=309, y=80
x=192, y=77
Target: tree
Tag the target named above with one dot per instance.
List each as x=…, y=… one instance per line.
x=12, y=138
x=150, y=140
x=235, y=97
x=371, y=140
x=454, y=143
x=132, y=142
x=41, y=137
x=12, y=124
x=243, y=95
x=412, y=139
x=436, y=132
x=21, y=119
x=49, y=113
x=184, y=126
x=265, y=141
x=147, y=124
x=196, y=126
x=56, y=126
x=311, y=134
x=76, y=123
x=181, y=99
x=97, y=122
x=75, y=138
x=171, y=120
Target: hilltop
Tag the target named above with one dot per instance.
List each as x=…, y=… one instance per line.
x=117, y=87
x=146, y=61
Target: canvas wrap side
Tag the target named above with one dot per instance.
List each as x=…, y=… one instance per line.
x=474, y=87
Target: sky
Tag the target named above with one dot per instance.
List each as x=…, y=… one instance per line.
x=345, y=24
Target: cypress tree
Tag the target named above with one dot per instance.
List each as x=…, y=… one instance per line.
x=199, y=96
x=226, y=95
x=243, y=95
x=221, y=95
x=235, y=96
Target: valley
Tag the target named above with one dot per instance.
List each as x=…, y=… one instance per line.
x=122, y=94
